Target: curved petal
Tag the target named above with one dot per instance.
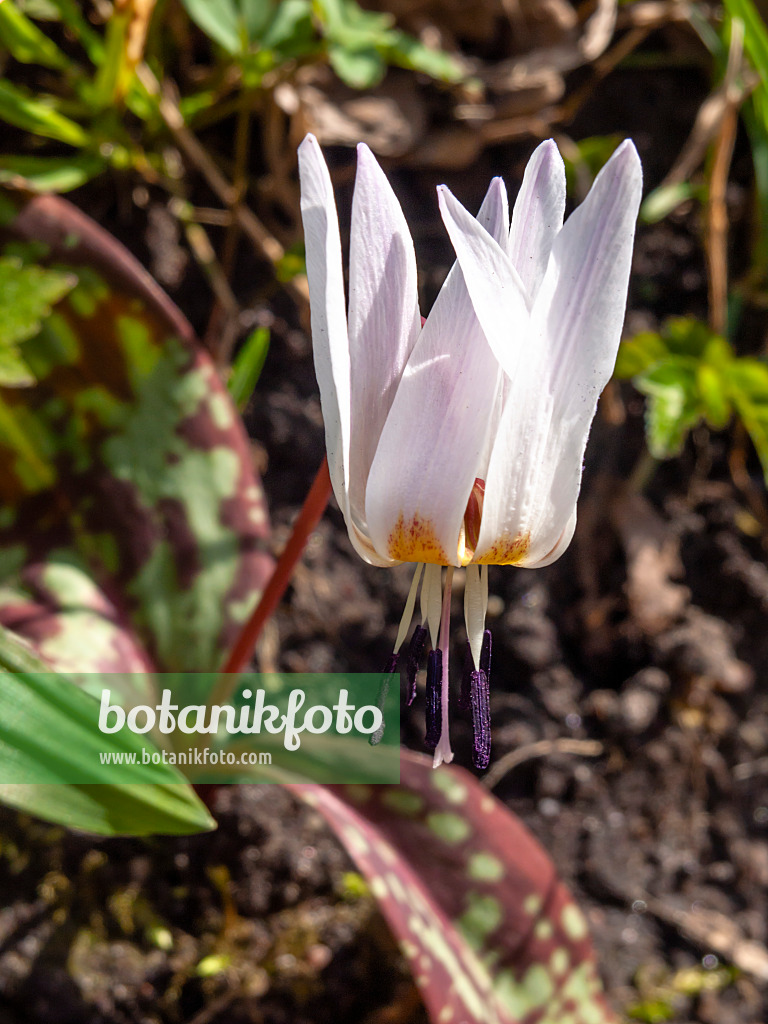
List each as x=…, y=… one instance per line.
x=326, y=295
x=579, y=310
x=384, y=319
x=537, y=216
x=329, y=326
x=495, y=288
x=533, y=482
x=436, y=435
x=534, y=473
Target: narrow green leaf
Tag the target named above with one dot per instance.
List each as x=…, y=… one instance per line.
x=52, y=173
x=39, y=117
x=50, y=727
x=247, y=366
x=26, y=42
x=664, y=200
x=755, y=33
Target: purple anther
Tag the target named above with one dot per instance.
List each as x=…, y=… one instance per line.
x=434, y=694
x=481, y=719
x=391, y=665
x=485, y=653
x=465, y=693
x=415, y=651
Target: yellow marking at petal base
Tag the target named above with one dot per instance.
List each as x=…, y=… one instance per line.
x=416, y=541
x=506, y=550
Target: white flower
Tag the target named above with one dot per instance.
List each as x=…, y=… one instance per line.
x=461, y=442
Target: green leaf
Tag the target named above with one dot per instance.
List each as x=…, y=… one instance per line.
x=23, y=110
x=220, y=20
x=26, y=297
x=711, y=387
x=290, y=31
x=409, y=52
x=247, y=366
x=755, y=33
x=493, y=935
x=350, y=27
x=672, y=407
x=52, y=173
x=14, y=372
x=359, y=69
x=748, y=389
x=687, y=337
x=49, y=729
x=26, y=42
x=664, y=200
x=638, y=353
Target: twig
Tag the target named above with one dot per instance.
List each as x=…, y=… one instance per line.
x=262, y=239
x=221, y=332
x=308, y=518
x=717, y=210
x=542, y=748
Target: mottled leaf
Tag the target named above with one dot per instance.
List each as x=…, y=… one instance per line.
x=492, y=935
x=26, y=297
x=132, y=520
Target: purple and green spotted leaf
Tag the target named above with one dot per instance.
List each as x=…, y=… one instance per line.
x=131, y=519
x=492, y=935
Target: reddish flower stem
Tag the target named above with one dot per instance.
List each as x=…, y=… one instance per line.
x=308, y=518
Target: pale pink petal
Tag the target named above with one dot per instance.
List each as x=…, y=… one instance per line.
x=384, y=319
x=535, y=468
x=579, y=311
x=329, y=326
x=495, y=288
x=435, y=438
x=537, y=216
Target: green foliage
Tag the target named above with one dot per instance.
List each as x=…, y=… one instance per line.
x=49, y=728
x=27, y=294
x=247, y=366
x=692, y=375
x=755, y=111
x=665, y=199
x=358, y=44
x=26, y=42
